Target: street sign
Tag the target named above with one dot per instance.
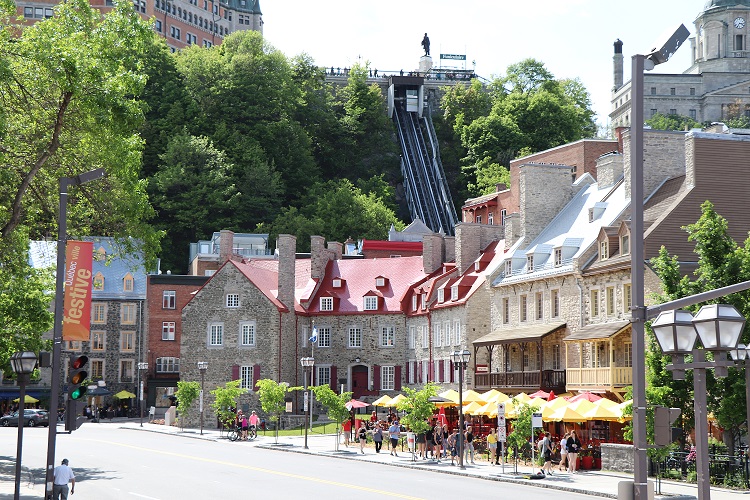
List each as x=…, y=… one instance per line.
x=500, y=410
x=501, y=436
x=307, y=397
x=536, y=420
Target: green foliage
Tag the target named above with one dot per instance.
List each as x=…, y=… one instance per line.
x=334, y=403
x=187, y=393
x=671, y=122
x=417, y=407
x=225, y=401
x=272, y=394
x=519, y=437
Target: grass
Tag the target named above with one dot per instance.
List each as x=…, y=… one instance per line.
x=329, y=428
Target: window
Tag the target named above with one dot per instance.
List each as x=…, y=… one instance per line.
x=654, y=111
x=610, y=301
x=506, y=310
x=441, y=295
x=305, y=330
x=490, y=219
x=379, y=282
x=424, y=301
x=207, y=44
x=529, y=263
x=672, y=91
x=672, y=111
x=558, y=257
x=355, y=337
x=336, y=283
x=387, y=378
x=628, y=361
x=539, y=306
x=412, y=337
x=247, y=334
x=457, y=332
x=603, y=250
x=167, y=330
x=216, y=334
x=448, y=333
x=503, y=214
x=98, y=281
x=128, y=283
x=28, y=12
x=526, y=359
x=627, y=298
x=97, y=369
x=167, y=365
x=323, y=375
x=594, y=303
x=438, y=335
x=73, y=345
x=99, y=312
x=168, y=299
x=126, y=370
x=692, y=90
x=326, y=303
x=425, y=336
x=127, y=341
x=522, y=307
x=454, y=292
x=556, y=357
x=175, y=32
x=387, y=336
x=508, y=268
x=371, y=303
x=478, y=219
x=157, y=25
x=738, y=42
x=233, y=300
x=97, y=341
x=413, y=302
x=127, y=314
x=693, y=114
x=653, y=90
x=324, y=336
x=555, y=303
x=246, y=377
x=625, y=244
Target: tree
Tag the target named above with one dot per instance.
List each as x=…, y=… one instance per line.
x=417, y=408
x=69, y=90
x=334, y=403
x=518, y=438
x=671, y=122
x=225, y=402
x=272, y=396
x=187, y=392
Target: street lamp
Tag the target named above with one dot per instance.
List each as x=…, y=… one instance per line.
x=202, y=367
x=307, y=364
x=142, y=366
x=719, y=327
x=741, y=356
x=23, y=363
x=460, y=362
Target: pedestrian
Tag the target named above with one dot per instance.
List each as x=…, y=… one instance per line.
x=564, y=452
x=437, y=438
x=243, y=424
x=362, y=434
x=373, y=418
x=394, y=433
x=346, y=430
x=492, y=445
x=422, y=443
x=469, y=445
x=453, y=444
x=62, y=476
x=547, y=454
x=377, y=437
x=574, y=445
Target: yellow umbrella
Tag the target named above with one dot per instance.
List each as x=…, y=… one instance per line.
x=523, y=397
x=549, y=408
x=511, y=408
x=581, y=406
x=383, y=400
x=450, y=394
x=537, y=402
x=606, y=403
x=472, y=408
x=488, y=395
x=471, y=396
x=603, y=413
x=500, y=397
x=395, y=401
x=489, y=409
x=26, y=399
x=566, y=414
x=124, y=395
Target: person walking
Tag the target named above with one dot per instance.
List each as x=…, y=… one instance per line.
x=469, y=445
x=439, y=440
x=547, y=454
x=492, y=445
x=452, y=442
x=377, y=437
x=574, y=446
x=564, y=452
x=62, y=476
x=346, y=430
x=362, y=434
x=394, y=433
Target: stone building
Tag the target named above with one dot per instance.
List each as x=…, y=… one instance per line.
x=716, y=87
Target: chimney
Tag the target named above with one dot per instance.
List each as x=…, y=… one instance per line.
x=287, y=246
x=500, y=186
x=336, y=249
x=450, y=248
x=544, y=189
x=226, y=244
x=609, y=169
x=512, y=229
x=490, y=233
x=468, y=241
x=318, y=257
x=617, y=60
x=432, y=252
x=663, y=158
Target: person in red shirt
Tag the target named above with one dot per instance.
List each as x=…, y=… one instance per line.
x=346, y=429
x=374, y=417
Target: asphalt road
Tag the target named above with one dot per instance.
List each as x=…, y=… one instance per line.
x=113, y=463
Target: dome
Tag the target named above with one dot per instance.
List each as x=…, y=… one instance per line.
x=712, y=4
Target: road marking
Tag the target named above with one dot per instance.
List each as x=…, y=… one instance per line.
x=142, y=496
x=265, y=471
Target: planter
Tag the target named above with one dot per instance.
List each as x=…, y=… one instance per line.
x=587, y=462
x=597, y=463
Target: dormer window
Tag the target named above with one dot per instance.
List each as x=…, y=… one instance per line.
x=508, y=268
x=490, y=219
x=477, y=267
x=625, y=244
x=603, y=250
x=591, y=215
x=441, y=295
x=413, y=302
x=558, y=257
x=336, y=283
x=530, y=264
x=127, y=283
x=424, y=301
x=98, y=281
x=326, y=303
x=371, y=303
x=100, y=254
x=379, y=281
x=454, y=292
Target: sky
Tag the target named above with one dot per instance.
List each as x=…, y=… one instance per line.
x=573, y=38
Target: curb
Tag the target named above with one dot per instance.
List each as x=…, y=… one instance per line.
x=205, y=437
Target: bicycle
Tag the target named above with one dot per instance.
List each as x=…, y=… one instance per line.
x=252, y=432
x=234, y=434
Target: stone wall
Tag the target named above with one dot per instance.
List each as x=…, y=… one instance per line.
x=543, y=191
x=617, y=457
x=663, y=158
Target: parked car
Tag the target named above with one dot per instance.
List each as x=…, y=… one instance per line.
x=31, y=418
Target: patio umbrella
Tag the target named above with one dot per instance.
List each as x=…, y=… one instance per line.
x=603, y=413
x=500, y=397
x=124, y=395
x=395, y=401
x=450, y=394
x=488, y=395
x=551, y=396
x=472, y=408
x=522, y=397
x=441, y=402
x=383, y=400
x=537, y=402
x=355, y=403
x=471, y=396
x=581, y=406
x=585, y=395
x=606, y=403
x=551, y=407
x=26, y=399
x=566, y=414
x=539, y=394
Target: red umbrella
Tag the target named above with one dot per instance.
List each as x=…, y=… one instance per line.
x=356, y=403
x=551, y=396
x=539, y=394
x=585, y=395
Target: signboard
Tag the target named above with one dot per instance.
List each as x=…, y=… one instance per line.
x=289, y=407
x=482, y=369
x=536, y=419
x=501, y=435
x=307, y=398
x=200, y=407
x=77, y=302
x=453, y=57
x=500, y=411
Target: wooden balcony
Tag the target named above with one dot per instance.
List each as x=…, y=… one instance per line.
x=589, y=378
x=534, y=380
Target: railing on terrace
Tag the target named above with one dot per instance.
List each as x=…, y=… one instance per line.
x=544, y=267
x=552, y=379
x=613, y=376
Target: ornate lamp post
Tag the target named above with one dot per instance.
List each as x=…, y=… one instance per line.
x=202, y=367
x=307, y=364
x=23, y=363
x=142, y=366
x=460, y=362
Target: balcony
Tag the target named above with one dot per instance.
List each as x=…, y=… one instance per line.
x=550, y=380
x=607, y=377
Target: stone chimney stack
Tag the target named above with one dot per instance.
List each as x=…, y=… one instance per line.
x=468, y=245
x=226, y=245
x=663, y=158
x=336, y=249
x=609, y=169
x=544, y=189
x=318, y=257
x=287, y=246
x=432, y=252
x=617, y=60
x=449, y=248
x=512, y=229
x=490, y=233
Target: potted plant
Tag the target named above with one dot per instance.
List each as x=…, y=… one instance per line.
x=597, y=454
x=587, y=459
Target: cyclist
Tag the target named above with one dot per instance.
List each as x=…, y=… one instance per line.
x=254, y=424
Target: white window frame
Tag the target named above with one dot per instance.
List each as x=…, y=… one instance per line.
x=167, y=364
x=556, y=356
x=326, y=303
x=508, y=268
x=594, y=303
x=628, y=354
x=168, y=329
x=379, y=282
x=539, y=305
x=246, y=377
x=424, y=301
x=627, y=297
x=523, y=308
x=506, y=310
x=425, y=336
x=448, y=333
x=457, y=332
x=215, y=334
x=490, y=218
x=529, y=263
x=610, y=300
x=454, y=292
x=355, y=336
x=169, y=299
x=323, y=372
x=388, y=378
x=336, y=283
x=371, y=303
x=603, y=250
x=122, y=378
x=232, y=300
x=413, y=302
x=555, y=303
x=248, y=333
x=441, y=295
x=625, y=244
x=438, y=335
x=387, y=336
x=126, y=335
x=558, y=257
x=305, y=330
x=324, y=336
x=412, y=337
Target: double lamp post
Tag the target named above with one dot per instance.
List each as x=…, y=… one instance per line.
x=460, y=361
x=23, y=364
x=307, y=364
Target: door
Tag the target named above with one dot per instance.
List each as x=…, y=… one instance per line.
x=359, y=381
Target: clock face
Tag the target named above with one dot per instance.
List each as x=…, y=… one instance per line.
x=739, y=23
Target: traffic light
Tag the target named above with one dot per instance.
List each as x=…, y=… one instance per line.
x=77, y=374
x=73, y=417
x=664, y=434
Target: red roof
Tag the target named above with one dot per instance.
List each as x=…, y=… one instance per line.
x=395, y=246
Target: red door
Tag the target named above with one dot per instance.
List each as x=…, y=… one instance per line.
x=359, y=381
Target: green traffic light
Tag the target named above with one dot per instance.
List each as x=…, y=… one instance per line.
x=78, y=393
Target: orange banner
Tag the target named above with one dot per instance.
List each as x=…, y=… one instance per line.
x=77, y=309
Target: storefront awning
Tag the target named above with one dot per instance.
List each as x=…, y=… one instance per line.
x=600, y=331
x=514, y=335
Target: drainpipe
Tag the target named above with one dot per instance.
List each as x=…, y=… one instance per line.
x=580, y=301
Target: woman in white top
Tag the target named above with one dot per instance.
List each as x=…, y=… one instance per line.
x=564, y=452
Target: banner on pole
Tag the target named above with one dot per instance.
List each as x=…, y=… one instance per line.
x=77, y=303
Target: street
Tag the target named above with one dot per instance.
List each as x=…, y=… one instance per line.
x=113, y=463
